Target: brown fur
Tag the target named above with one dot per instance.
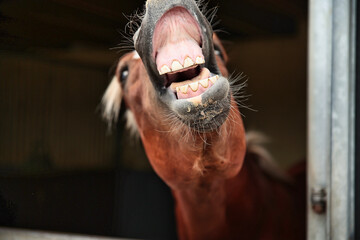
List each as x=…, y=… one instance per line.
x=221, y=190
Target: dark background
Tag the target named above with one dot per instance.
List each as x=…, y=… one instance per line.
x=61, y=170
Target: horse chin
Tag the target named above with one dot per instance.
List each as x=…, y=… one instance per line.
x=203, y=113
x=206, y=118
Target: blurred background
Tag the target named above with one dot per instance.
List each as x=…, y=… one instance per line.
x=60, y=167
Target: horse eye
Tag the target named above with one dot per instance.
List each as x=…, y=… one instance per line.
x=124, y=73
x=218, y=52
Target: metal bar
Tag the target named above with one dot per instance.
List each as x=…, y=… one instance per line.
x=356, y=178
x=319, y=109
x=331, y=118
x=343, y=118
x=353, y=126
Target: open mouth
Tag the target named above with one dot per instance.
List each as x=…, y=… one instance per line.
x=178, y=54
x=175, y=43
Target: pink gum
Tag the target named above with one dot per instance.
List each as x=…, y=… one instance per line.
x=190, y=93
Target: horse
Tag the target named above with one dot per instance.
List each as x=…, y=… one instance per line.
x=181, y=102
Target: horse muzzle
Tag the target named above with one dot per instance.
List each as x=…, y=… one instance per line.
x=175, y=43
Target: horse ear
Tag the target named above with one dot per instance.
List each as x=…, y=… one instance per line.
x=111, y=101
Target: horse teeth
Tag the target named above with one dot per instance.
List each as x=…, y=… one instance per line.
x=164, y=69
x=199, y=60
x=184, y=89
x=204, y=83
x=194, y=86
x=214, y=79
x=176, y=65
x=188, y=62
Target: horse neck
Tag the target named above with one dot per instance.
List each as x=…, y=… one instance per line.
x=201, y=196
x=201, y=211
x=207, y=210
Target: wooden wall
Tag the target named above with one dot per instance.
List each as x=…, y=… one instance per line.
x=49, y=114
